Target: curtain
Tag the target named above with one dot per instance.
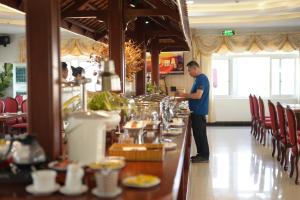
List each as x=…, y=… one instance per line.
x=204, y=45
x=73, y=46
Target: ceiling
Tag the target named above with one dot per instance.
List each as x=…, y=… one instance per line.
x=165, y=19
x=220, y=14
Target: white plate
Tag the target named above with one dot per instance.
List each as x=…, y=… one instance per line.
x=172, y=132
x=107, y=194
x=177, y=124
x=66, y=191
x=148, y=185
x=32, y=190
x=170, y=145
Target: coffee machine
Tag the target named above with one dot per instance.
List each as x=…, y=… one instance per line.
x=19, y=155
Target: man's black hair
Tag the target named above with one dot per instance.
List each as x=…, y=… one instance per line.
x=77, y=70
x=192, y=63
x=64, y=65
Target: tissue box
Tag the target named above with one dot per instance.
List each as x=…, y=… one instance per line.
x=138, y=152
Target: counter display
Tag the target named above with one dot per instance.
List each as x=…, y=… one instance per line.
x=166, y=179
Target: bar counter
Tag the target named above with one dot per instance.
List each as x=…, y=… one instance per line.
x=173, y=172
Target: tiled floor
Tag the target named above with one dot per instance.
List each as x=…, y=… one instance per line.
x=239, y=168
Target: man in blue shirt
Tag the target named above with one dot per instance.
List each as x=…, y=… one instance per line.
x=198, y=103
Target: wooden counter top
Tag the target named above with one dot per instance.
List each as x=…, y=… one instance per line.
x=173, y=172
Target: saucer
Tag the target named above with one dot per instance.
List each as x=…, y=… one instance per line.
x=32, y=190
x=107, y=194
x=66, y=191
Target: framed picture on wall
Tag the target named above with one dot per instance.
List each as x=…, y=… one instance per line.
x=169, y=62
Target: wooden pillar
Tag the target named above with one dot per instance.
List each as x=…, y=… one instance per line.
x=155, y=61
x=140, y=39
x=116, y=37
x=43, y=60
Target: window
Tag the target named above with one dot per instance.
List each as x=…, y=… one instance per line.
x=272, y=74
x=21, y=75
x=251, y=75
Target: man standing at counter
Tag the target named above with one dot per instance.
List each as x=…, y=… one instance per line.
x=198, y=104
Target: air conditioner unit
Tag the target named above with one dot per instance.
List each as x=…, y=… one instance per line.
x=4, y=40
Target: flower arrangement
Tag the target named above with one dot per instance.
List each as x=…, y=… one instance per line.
x=133, y=57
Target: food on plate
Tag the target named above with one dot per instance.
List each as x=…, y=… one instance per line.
x=134, y=124
x=107, y=164
x=141, y=180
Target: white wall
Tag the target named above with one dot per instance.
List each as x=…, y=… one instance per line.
x=10, y=53
x=234, y=109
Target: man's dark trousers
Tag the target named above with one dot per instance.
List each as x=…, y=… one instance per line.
x=199, y=132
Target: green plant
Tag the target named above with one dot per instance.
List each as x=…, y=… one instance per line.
x=107, y=101
x=6, y=77
x=153, y=88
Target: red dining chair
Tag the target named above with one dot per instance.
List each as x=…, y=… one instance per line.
x=21, y=127
x=11, y=106
x=294, y=141
x=2, y=105
x=252, y=114
x=256, y=115
x=284, y=139
x=265, y=122
x=276, y=137
x=19, y=99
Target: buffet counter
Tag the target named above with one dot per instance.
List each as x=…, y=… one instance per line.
x=173, y=172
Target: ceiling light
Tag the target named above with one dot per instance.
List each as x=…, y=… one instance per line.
x=132, y=5
x=147, y=22
x=189, y=2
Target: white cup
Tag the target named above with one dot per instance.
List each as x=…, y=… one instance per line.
x=74, y=177
x=107, y=182
x=44, y=180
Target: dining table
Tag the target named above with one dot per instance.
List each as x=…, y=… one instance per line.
x=6, y=117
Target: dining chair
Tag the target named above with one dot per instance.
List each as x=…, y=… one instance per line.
x=276, y=137
x=294, y=140
x=252, y=114
x=284, y=141
x=265, y=122
x=2, y=105
x=19, y=99
x=24, y=108
x=11, y=106
x=22, y=124
x=256, y=114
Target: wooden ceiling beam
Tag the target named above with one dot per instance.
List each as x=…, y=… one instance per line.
x=99, y=14
x=11, y=3
x=76, y=29
x=74, y=7
x=99, y=36
x=80, y=25
x=164, y=33
x=151, y=12
x=160, y=5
